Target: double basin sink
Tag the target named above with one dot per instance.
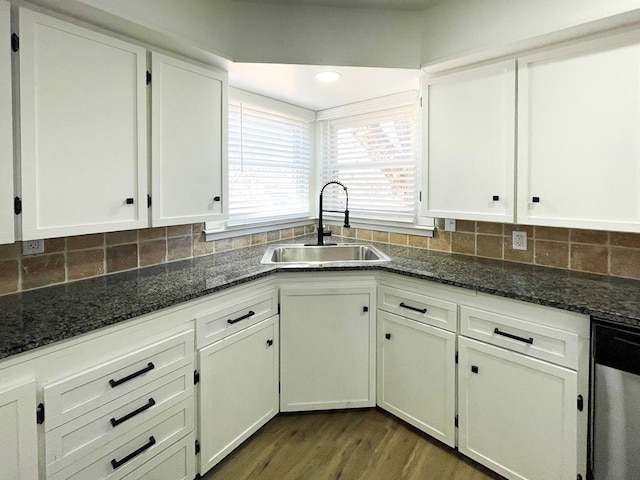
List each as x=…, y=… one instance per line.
x=321, y=255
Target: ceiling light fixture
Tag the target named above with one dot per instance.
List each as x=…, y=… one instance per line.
x=328, y=76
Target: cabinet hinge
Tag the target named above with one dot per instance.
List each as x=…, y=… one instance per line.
x=197, y=447
x=17, y=205
x=148, y=201
x=420, y=196
x=580, y=403
x=148, y=77
x=579, y=477
x=456, y=357
x=15, y=42
x=278, y=387
x=455, y=422
x=40, y=414
x=196, y=377
x=278, y=309
x=420, y=102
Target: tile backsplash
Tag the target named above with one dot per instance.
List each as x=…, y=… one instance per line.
x=84, y=256
x=74, y=258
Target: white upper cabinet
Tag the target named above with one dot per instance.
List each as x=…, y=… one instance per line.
x=83, y=130
x=7, y=234
x=189, y=118
x=469, y=144
x=578, y=135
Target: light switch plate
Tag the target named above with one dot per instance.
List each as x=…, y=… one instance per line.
x=449, y=224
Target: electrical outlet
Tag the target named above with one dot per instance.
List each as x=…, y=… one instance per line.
x=31, y=247
x=449, y=224
x=519, y=240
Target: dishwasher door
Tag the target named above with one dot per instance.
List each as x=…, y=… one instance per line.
x=616, y=415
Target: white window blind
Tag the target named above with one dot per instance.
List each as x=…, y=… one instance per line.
x=374, y=154
x=269, y=165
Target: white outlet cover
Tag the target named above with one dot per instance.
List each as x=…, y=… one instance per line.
x=449, y=224
x=519, y=240
x=32, y=247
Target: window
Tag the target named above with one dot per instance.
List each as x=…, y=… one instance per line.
x=269, y=160
x=372, y=149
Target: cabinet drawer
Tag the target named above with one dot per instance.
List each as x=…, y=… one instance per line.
x=419, y=307
x=539, y=341
x=134, y=448
x=72, y=440
x=233, y=317
x=175, y=463
x=91, y=389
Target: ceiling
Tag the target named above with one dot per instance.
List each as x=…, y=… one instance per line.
x=296, y=84
x=372, y=4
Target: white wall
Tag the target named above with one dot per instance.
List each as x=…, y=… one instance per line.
x=459, y=28
x=302, y=34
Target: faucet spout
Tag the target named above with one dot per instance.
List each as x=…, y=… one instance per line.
x=321, y=232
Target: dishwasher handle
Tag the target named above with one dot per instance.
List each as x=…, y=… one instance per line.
x=618, y=348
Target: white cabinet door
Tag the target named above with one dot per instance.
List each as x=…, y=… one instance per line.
x=7, y=234
x=416, y=374
x=578, y=143
x=18, y=442
x=238, y=389
x=328, y=348
x=83, y=130
x=469, y=144
x=189, y=118
x=517, y=415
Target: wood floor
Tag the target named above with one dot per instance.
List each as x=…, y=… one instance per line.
x=347, y=445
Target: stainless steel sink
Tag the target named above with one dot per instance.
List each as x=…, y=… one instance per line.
x=319, y=255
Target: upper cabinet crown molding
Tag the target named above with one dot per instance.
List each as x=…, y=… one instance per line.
x=578, y=147
x=83, y=117
x=189, y=149
x=7, y=234
x=469, y=143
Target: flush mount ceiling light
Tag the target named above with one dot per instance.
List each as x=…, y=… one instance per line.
x=327, y=76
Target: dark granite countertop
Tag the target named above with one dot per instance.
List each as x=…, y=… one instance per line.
x=32, y=319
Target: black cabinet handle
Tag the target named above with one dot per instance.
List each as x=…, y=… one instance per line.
x=535, y=199
x=115, y=422
x=365, y=309
x=129, y=201
x=387, y=336
x=474, y=368
x=269, y=342
x=114, y=383
x=118, y=463
x=496, y=198
x=216, y=198
x=250, y=314
x=515, y=337
x=420, y=310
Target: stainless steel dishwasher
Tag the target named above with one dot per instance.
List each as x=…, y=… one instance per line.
x=615, y=427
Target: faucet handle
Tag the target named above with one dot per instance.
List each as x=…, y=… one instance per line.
x=346, y=219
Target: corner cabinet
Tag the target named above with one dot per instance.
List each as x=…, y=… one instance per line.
x=578, y=148
x=83, y=130
x=7, y=233
x=328, y=345
x=19, y=452
x=469, y=144
x=189, y=118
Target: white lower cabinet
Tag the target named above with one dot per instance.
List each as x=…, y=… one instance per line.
x=517, y=414
x=238, y=389
x=18, y=440
x=328, y=346
x=416, y=374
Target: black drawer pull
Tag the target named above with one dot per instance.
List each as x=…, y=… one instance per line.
x=496, y=198
x=515, y=337
x=535, y=199
x=118, y=463
x=129, y=201
x=114, y=383
x=250, y=314
x=421, y=310
x=115, y=422
x=387, y=336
